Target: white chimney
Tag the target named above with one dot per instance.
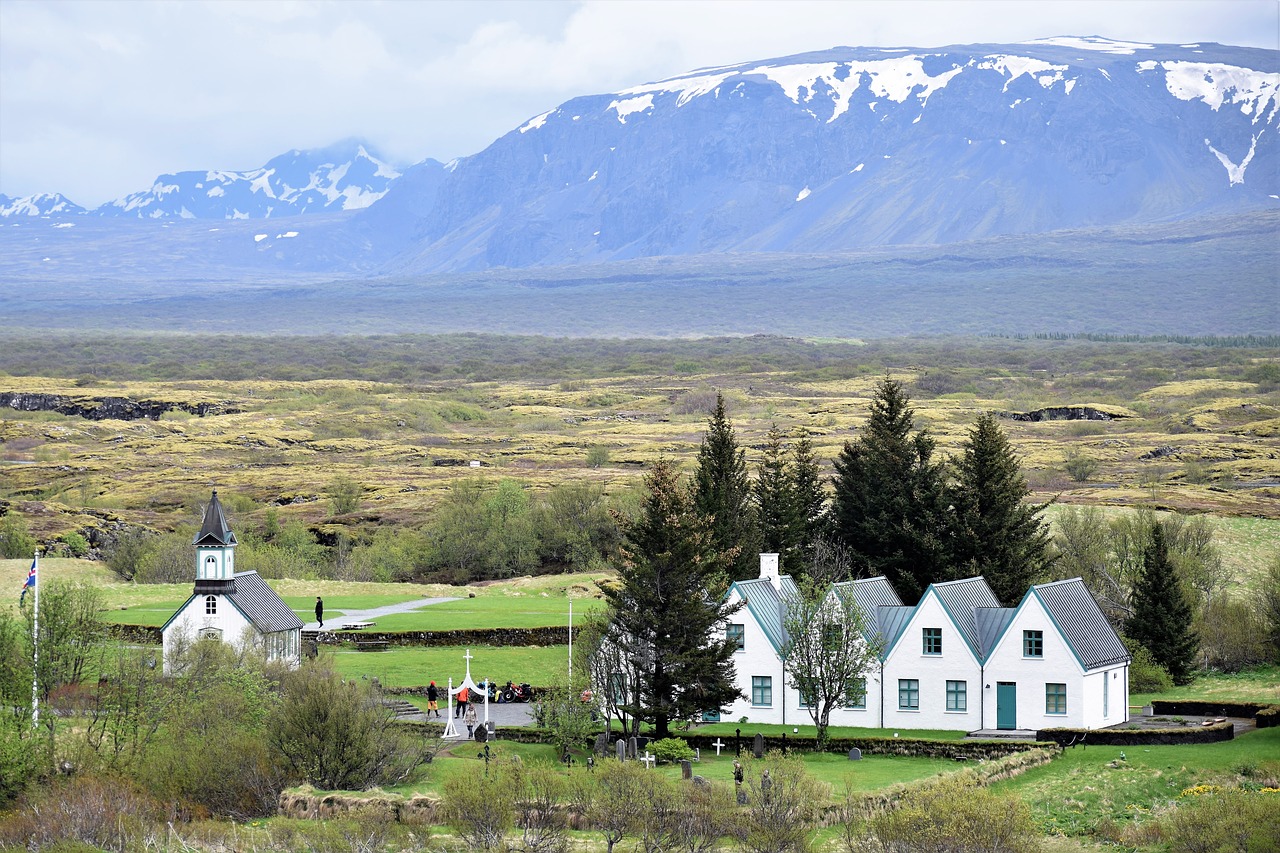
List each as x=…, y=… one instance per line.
x=769, y=570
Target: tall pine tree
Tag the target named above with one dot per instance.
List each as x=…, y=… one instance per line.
x=809, y=496
x=1161, y=618
x=722, y=492
x=668, y=606
x=890, y=503
x=775, y=501
x=996, y=534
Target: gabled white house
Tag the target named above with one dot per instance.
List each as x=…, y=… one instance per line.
x=235, y=608
x=957, y=660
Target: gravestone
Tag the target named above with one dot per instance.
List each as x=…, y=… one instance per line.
x=757, y=747
x=855, y=754
x=697, y=753
x=602, y=744
x=622, y=749
x=700, y=781
x=633, y=747
x=482, y=734
x=491, y=726
x=686, y=769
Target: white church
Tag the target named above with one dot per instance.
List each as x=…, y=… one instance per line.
x=236, y=608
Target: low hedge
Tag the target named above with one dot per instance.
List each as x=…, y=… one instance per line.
x=1264, y=713
x=1139, y=737
x=960, y=750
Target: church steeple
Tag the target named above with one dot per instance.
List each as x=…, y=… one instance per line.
x=215, y=552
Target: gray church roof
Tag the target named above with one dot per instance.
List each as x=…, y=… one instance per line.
x=214, y=530
x=891, y=621
x=261, y=606
x=1080, y=619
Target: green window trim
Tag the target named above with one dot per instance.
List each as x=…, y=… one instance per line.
x=1055, y=698
x=957, y=696
x=762, y=691
x=736, y=633
x=1033, y=644
x=932, y=641
x=908, y=694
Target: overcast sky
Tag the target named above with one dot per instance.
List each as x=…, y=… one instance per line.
x=98, y=98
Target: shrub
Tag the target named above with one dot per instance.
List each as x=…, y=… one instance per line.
x=952, y=815
x=1080, y=466
x=541, y=821
x=480, y=807
x=1145, y=675
x=597, y=455
x=782, y=805
x=672, y=749
x=15, y=542
x=1225, y=820
x=344, y=496
x=103, y=814
x=1233, y=635
x=75, y=544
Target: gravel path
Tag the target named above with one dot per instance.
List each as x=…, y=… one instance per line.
x=337, y=623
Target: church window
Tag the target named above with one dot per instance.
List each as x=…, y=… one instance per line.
x=211, y=605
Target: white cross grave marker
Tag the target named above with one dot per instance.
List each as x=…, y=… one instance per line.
x=649, y=760
x=719, y=746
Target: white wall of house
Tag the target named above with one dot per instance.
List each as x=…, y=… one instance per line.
x=908, y=661
x=195, y=620
x=757, y=658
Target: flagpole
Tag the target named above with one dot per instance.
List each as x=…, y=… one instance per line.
x=35, y=645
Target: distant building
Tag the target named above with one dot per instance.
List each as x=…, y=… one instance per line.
x=234, y=608
x=957, y=660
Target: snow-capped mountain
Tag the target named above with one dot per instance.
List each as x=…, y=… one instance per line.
x=345, y=176
x=40, y=204
x=855, y=147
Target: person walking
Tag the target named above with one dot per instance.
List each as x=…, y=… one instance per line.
x=320, y=611
x=463, y=696
x=433, y=699
x=471, y=720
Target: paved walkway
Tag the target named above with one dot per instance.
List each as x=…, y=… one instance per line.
x=338, y=622
x=502, y=714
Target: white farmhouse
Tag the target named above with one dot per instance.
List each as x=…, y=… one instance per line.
x=235, y=608
x=957, y=660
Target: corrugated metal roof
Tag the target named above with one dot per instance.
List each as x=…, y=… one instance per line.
x=214, y=529
x=991, y=624
x=766, y=605
x=1082, y=624
x=962, y=598
x=869, y=594
x=890, y=621
x=260, y=604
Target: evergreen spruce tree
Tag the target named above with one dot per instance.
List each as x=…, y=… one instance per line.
x=668, y=605
x=775, y=501
x=1161, y=617
x=890, y=502
x=996, y=535
x=809, y=498
x=722, y=492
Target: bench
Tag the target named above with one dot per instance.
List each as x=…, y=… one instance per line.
x=357, y=626
x=371, y=645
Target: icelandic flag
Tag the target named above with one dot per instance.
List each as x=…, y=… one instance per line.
x=30, y=583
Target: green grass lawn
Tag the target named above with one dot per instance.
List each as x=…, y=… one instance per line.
x=1085, y=786
x=414, y=667
x=1260, y=684
x=807, y=731
x=525, y=611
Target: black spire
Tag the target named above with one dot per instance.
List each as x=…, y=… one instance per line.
x=214, y=531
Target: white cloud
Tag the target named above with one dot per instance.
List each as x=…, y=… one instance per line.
x=99, y=97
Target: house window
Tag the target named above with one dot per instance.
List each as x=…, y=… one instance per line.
x=808, y=695
x=933, y=641
x=762, y=690
x=1055, y=698
x=855, y=693
x=736, y=635
x=1033, y=644
x=1106, y=703
x=957, y=696
x=909, y=694
x=211, y=605
x=211, y=633
x=618, y=687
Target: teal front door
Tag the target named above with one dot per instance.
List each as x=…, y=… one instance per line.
x=1006, y=705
